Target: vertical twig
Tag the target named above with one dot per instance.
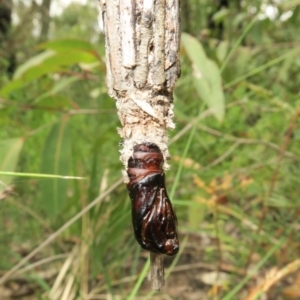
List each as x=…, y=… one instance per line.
x=157, y=274
x=142, y=58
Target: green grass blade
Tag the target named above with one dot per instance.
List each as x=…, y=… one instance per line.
x=261, y=68
x=140, y=280
x=237, y=43
x=255, y=269
x=39, y=175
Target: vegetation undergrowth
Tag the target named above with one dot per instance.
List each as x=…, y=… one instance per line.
x=65, y=225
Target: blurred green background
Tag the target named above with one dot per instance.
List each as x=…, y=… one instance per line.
x=234, y=177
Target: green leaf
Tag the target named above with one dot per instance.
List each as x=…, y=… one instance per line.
x=56, y=161
x=56, y=102
x=9, y=154
x=219, y=16
x=66, y=45
x=206, y=75
x=278, y=200
x=37, y=60
x=61, y=84
x=45, y=63
x=222, y=50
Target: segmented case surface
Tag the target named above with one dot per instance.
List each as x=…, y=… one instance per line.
x=154, y=220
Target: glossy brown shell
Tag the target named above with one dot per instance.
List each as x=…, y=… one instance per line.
x=154, y=220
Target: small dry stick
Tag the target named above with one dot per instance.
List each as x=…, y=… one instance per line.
x=157, y=274
x=142, y=59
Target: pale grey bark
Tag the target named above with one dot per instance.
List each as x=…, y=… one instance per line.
x=142, y=59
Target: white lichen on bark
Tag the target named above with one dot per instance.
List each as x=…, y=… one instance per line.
x=142, y=58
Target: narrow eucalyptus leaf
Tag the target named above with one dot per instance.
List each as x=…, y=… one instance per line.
x=35, y=61
x=9, y=154
x=69, y=45
x=207, y=78
x=56, y=161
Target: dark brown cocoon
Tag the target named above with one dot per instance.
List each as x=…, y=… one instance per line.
x=153, y=218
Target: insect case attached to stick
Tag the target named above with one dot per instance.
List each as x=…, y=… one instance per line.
x=154, y=220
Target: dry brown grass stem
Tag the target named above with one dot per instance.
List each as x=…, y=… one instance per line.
x=272, y=277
